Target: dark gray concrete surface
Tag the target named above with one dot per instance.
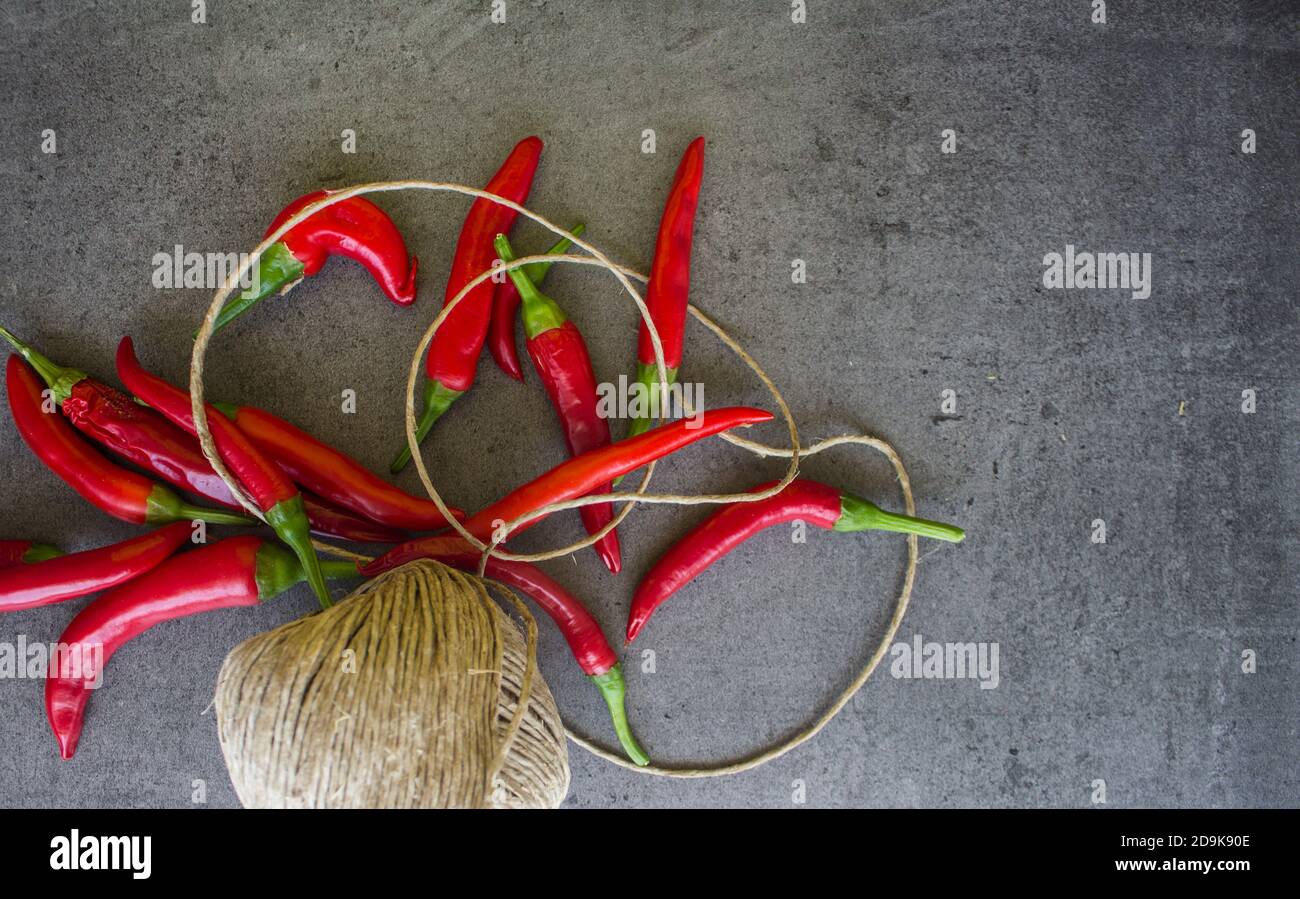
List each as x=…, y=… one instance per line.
x=1119, y=662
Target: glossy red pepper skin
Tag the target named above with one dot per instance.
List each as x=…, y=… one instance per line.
x=76, y=574
x=505, y=309
x=560, y=356
x=452, y=361
x=266, y=484
x=239, y=571
x=731, y=525
x=354, y=228
x=140, y=435
x=582, y=474
x=329, y=520
x=586, y=640
x=453, y=354
x=668, y=290
x=334, y=475
x=273, y=492
x=218, y=576
x=25, y=552
x=121, y=493
x=144, y=437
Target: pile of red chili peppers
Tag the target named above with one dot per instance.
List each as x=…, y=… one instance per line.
x=87, y=432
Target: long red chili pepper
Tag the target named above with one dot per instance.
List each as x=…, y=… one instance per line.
x=354, y=228
x=25, y=552
x=505, y=307
x=581, y=475
x=121, y=493
x=329, y=520
x=586, y=640
x=70, y=576
x=733, y=524
x=334, y=475
x=667, y=292
x=239, y=571
x=276, y=495
x=560, y=356
x=453, y=354
x=140, y=435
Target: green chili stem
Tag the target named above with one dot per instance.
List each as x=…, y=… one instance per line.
x=278, y=270
x=58, y=378
x=613, y=688
x=437, y=400
x=859, y=515
x=540, y=312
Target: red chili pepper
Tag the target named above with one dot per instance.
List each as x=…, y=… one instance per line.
x=269, y=487
x=560, y=356
x=586, y=640
x=140, y=435
x=70, y=576
x=121, y=493
x=581, y=475
x=454, y=351
x=25, y=552
x=331, y=521
x=670, y=280
x=505, y=307
x=733, y=524
x=354, y=228
x=240, y=571
x=334, y=475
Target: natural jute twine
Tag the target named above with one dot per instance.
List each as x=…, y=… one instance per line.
x=447, y=713
x=625, y=276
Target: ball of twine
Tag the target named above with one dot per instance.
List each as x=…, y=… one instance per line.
x=625, y=276
x=414, y=692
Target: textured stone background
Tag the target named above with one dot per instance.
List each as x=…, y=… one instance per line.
x=1118, y=662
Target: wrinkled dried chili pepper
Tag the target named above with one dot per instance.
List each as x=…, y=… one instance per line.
x=76, y=574
x=269, y=487
x=334, y=475
x=733, y=524
x=140, y=435
x=581, y=475
x=453, y=353
x=586, y=640
x=354, y=228
x=560, y=356
x=667, y=292
x=25, y=552
x=505, y=308
x=121, y=493
x=239, y=571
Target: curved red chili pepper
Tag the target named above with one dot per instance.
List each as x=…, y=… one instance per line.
x=668, y=290
x=733, y=524
x=121, y=493
x=586, y=640
x=272, y=491
x=505, y=308
x=453, y=353
x=581, y=475
x=70, y=576
x=329, y=520
x=239, y=571
x=560, y=356
x=334, y=475
x=354, y=228
x=25, y=552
